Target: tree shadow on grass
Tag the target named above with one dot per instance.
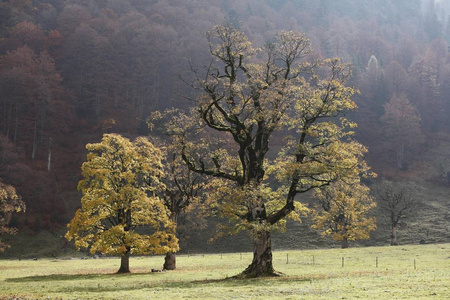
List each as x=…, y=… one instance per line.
x=106, y=283
x=64, y=277
x=261, y=281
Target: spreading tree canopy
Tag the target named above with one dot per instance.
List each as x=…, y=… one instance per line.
x=254, y=102
x=122, y=181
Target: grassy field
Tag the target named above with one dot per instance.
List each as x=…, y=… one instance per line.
x=403, y=272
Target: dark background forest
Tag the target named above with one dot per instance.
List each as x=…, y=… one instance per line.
x=73, y=70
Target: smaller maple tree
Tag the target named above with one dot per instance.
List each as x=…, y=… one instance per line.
x=122, y=181
x=342, y=212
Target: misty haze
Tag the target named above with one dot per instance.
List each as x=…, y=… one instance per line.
x=260, y=149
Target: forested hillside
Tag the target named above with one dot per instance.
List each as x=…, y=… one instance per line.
x=71, y=70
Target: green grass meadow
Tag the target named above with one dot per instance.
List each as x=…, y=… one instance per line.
x=403, y=272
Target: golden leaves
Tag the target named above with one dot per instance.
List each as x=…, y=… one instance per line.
x=10, y=203
x=246, y=103
x=231, y=43
x=120, y=187
x=343, y=211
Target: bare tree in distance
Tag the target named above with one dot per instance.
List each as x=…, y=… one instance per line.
x=398, y=201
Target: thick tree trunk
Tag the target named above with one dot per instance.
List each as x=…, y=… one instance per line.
x=170, y=261
x=125, y=262
x=344, y=243
x=262, y=257
x=394, y=241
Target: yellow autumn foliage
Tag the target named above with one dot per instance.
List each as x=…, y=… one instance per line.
x=343, y=211
x=269, y=126
x=10, y=203
x=122, y=180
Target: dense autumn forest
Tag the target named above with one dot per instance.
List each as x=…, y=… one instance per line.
x=71, y=70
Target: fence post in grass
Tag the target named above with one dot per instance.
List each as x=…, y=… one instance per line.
x=342, y=261
x=314, y=263
x=220, y=255
x=376, y=262
x=414, y=264
x=287, y=258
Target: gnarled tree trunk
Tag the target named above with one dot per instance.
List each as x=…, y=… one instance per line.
x=262, y=257
x=125, y=262
x=344, y=243
x=170, y=261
